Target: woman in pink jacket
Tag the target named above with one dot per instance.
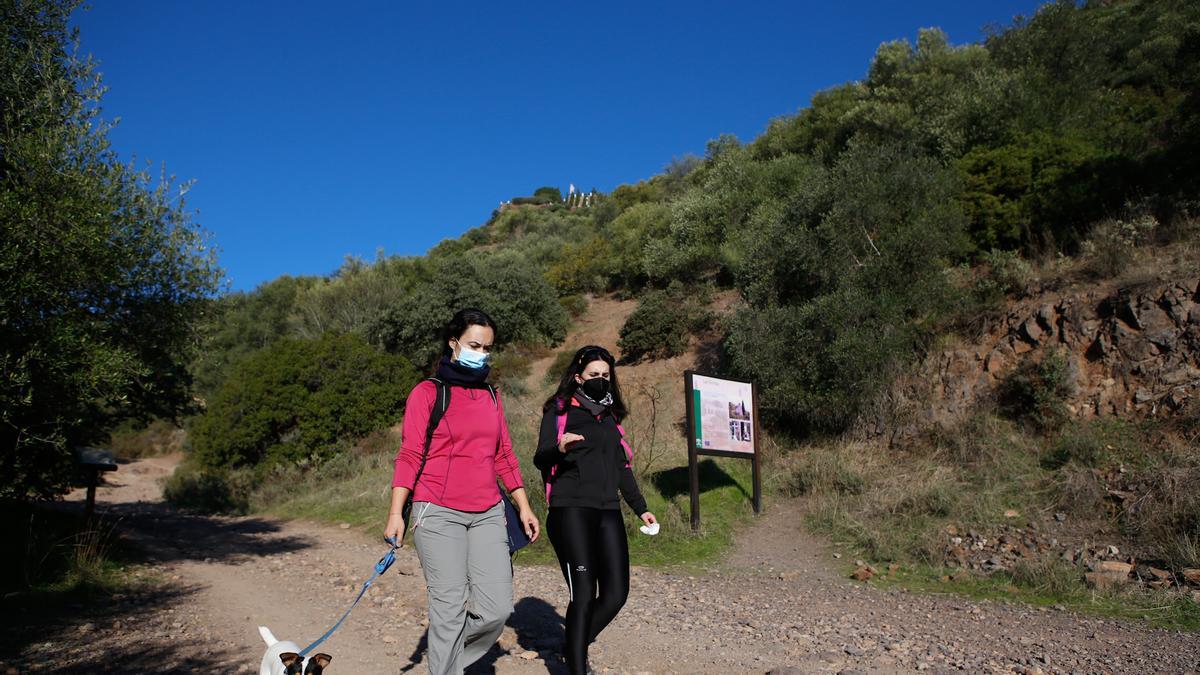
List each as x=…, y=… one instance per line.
x=457, y=516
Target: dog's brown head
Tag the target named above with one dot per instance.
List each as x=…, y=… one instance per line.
x=295, y=665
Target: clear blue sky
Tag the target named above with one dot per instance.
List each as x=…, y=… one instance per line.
x=314, y=130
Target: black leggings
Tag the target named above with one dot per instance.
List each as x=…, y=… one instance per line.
x=594, y=556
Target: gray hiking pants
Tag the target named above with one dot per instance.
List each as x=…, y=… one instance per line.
x=469, y=577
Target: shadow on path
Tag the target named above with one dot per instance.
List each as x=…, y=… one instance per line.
x=77, y=633
x=166, y=534
x=539, y=628
x=97, y=629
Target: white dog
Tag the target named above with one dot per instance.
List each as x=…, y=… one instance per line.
x=283, y=658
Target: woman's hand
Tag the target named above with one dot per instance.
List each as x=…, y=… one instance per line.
x=568, y=439
x=648, y=518
x=530, y=522
x=395, y=522
x=525, y=514
x=395, y=528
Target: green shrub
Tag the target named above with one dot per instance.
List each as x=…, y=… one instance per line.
x=298, y=400
x=386, y=441
x=241, y=323
x=984, y=291
x=353, y=299
x=816, y=364
x=708, y=224
x=1038, y=192
x=575, y=304
x=1036, y=392
x=582, y=267
x=209, y=490
x=505, y=286
x=628, y=235
x=843, y=284
x=549, y=193
x=662, y=324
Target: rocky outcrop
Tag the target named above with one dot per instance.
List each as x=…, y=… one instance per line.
x=1134, y=352
x=1052, y=539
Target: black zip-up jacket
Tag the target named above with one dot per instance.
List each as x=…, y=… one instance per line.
x=592, y=471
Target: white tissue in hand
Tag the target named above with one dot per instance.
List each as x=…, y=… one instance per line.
x=649, y=529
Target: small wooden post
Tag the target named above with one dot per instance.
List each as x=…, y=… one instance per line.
x=93, y=479
x=93, y=461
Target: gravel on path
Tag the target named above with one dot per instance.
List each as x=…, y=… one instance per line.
x=777, y=603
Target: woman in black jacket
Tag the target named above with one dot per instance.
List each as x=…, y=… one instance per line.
x=585, y=467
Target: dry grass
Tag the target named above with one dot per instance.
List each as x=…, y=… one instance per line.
x=1137, y=486
x=89, y=558
x=1174, y=253
x=159, y=437
x=55, y=550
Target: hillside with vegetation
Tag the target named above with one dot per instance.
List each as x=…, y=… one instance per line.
x=966, y=285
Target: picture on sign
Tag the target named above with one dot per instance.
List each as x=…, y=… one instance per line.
x=724, y=414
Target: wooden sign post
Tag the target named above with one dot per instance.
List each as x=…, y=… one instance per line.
x=722, y=421
x=92, y=462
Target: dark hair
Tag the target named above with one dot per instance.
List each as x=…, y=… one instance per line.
x=463, y=319
x=567, y=386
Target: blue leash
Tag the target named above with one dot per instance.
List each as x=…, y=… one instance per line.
x=380, y=567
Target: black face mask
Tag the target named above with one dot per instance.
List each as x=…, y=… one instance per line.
x=596, y=388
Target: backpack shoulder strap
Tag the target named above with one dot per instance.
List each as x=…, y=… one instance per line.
x=492, y=390
x=561, y=424
x=441, y=401
x=625, y=444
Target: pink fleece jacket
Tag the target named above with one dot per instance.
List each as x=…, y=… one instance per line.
x=469, y=449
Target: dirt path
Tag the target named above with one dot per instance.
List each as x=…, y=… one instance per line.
x=777, y=603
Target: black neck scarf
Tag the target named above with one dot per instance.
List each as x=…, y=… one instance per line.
x=458, y=375
x=595, y=408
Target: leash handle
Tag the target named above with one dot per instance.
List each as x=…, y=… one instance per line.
x=380, y=567
x=388, y=558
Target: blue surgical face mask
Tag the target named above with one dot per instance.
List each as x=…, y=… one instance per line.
x=470, y=358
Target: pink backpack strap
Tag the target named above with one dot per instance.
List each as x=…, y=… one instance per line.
x=628, y=449
x=561, y=422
